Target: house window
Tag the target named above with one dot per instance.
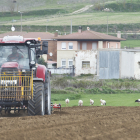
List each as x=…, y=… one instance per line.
x=70, y=46
x=85, y=64
x=78, y=46
x=94, y=46
x=70, y=63
x=63, y=45
x=84, y=46
x=63, y=63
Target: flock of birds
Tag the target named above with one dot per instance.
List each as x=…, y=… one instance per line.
x=80, y=102
x=103, y=102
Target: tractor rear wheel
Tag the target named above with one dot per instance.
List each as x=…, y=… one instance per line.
x=36, y=106
x=47, y=87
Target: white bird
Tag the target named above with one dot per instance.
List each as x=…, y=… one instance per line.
x=91, y=102
x=67, y=101
x=138, y=100
x=80, y=103
x=103, y=102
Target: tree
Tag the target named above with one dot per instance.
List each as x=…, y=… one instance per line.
x=42, y=61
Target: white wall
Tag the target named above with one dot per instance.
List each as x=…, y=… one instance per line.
x=126, y=64
x=45, y=57
x=87, y=55
x=66, y=55
x=60, y=71
x=136, y=65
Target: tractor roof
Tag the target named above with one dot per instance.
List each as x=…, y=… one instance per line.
x=14, y=39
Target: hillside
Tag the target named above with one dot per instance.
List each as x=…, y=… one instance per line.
x=58, y=15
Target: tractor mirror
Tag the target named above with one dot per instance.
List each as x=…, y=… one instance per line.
x=45, y=47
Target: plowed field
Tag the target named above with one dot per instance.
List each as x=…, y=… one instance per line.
x=74, y=123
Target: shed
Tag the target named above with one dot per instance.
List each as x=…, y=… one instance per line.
x=118, y=63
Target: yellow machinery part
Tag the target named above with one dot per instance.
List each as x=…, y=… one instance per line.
x=17, y=87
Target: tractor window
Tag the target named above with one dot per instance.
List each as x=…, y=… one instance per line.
x=14, y=53
x=33, y=54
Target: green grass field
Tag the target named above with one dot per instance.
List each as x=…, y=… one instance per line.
x=111, y=99
x=130, y=43
x=79, y=19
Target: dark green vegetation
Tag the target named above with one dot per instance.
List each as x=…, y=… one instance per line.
x=34, y=13
x=113, y=28
x=125, y=7
x=74, y=87
x=120, y=6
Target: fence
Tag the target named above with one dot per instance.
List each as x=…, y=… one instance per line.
x=70, y=70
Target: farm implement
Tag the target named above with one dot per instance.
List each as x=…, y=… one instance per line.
x=55, y=106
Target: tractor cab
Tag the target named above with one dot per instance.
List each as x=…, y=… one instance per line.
x=20, y=50
x=15, y=53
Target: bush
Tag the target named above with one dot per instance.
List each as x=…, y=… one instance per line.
x=113, y=86
x=55, y=91
x=42, y=61
x=35, y=13
x=85, y=75
x=59, y=83
x=124, y=7
x=73, y=89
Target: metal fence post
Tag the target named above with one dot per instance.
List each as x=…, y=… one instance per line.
x=73, y=71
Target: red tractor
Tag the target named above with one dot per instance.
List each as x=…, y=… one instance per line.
x=24, y=84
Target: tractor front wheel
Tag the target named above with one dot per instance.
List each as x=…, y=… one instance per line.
x=36, y=106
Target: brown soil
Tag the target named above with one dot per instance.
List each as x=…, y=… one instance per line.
x=74, y=123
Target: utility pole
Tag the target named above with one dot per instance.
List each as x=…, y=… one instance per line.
x=107, y=10
x=21, y=19
x=46, y=25
x=107, y=23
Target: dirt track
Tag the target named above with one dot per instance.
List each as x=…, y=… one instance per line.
x=74, y=123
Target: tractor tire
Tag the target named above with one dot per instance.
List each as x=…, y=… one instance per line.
x=47, y=87
x=36, y=106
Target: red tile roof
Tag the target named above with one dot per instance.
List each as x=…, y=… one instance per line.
x=42, y=35
x=88, y=35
